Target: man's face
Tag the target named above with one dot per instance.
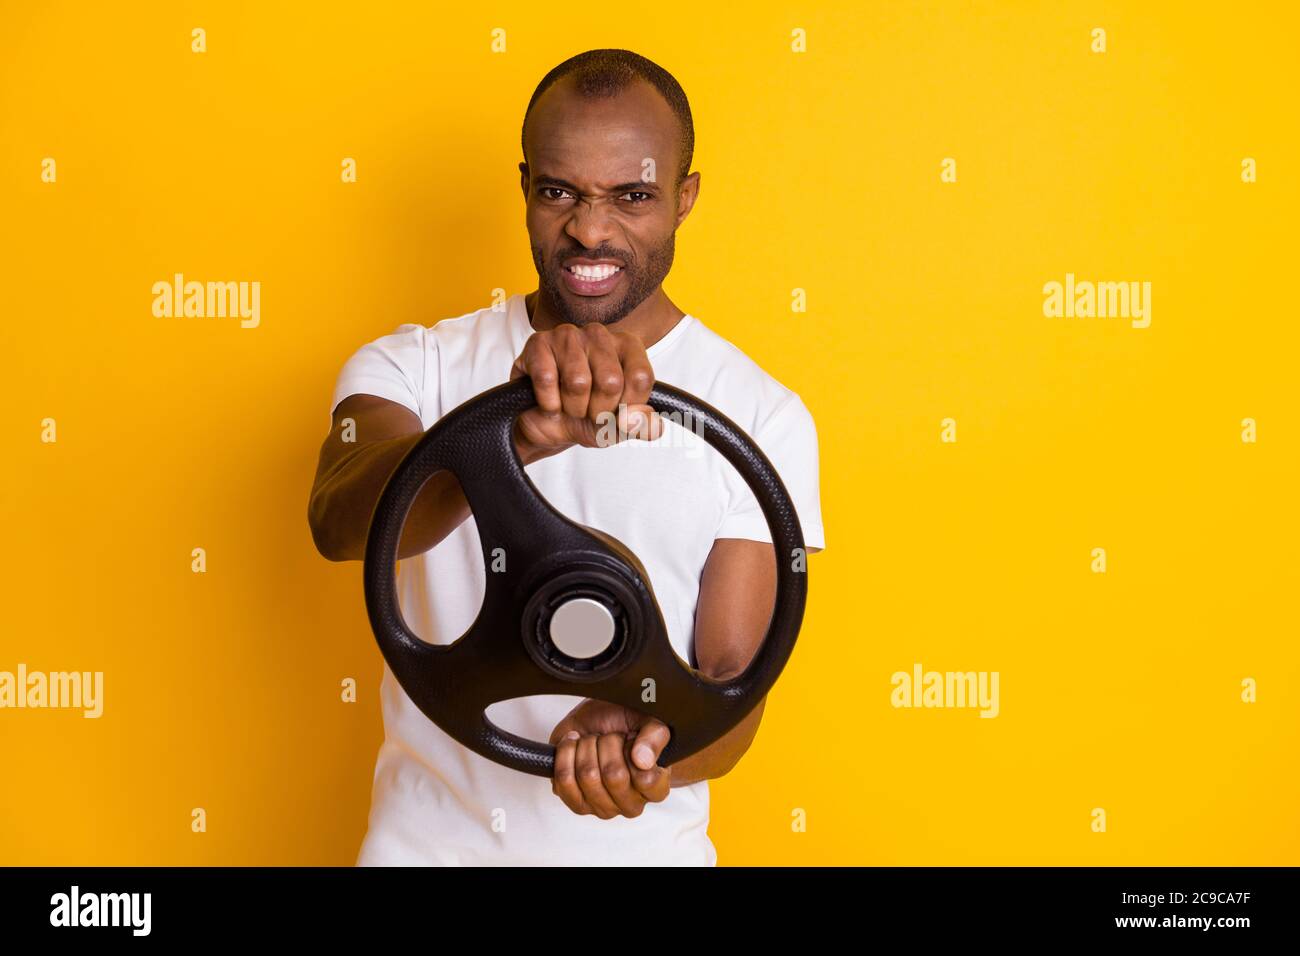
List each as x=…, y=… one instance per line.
x=600, y=186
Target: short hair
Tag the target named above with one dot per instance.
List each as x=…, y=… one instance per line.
x=606, y=73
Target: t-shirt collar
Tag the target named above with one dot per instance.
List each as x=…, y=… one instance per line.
x=521, y=328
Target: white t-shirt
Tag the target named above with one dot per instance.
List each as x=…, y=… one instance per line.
x=436, y=802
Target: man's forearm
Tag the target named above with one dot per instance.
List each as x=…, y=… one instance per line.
x=343, y=505
x=719, y=757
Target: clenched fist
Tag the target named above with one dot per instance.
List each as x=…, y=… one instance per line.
x=605, y=760
x=591, y=386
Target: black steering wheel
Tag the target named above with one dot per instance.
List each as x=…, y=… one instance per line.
x=569, y=610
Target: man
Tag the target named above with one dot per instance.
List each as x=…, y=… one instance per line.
x=593, y=337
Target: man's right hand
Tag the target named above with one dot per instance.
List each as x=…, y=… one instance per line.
x=591, y=386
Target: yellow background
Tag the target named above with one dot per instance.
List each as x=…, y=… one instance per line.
x=821, y=172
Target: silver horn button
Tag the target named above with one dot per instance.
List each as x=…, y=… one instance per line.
x=582, y=628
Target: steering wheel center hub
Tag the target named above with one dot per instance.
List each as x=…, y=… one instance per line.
x=582, y=628
x=582, y=625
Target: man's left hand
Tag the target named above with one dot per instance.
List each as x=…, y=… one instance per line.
x=605, y=758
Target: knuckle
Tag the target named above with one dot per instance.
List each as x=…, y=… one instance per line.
x=640, y=378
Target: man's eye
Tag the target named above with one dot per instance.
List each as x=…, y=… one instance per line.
x=552, y=189
x=637, y=202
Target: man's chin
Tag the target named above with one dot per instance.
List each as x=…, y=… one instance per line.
x=583, y=310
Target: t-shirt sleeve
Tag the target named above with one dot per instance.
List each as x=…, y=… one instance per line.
x=391, y=367
x=789, y=440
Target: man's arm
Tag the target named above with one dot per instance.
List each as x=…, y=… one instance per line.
x=737, y=595
x=351, y=475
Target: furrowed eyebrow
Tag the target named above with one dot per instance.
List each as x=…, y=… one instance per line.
x=634, y=186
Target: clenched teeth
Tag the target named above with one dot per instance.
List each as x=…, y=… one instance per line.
x=594, y=272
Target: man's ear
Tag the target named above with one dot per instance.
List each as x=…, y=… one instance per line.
x=523, y=179
x=686, y=196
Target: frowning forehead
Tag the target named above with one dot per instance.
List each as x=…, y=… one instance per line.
x=601, y=142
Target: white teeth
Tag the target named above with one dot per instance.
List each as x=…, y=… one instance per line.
x=594, y=272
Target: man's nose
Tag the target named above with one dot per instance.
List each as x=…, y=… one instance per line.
x=591, y=223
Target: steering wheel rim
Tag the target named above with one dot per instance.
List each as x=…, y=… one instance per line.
x=535, y=558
